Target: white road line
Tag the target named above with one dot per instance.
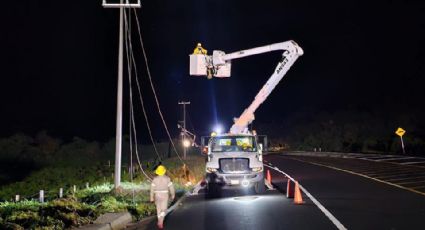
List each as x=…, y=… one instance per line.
x=406, y=178
x=385, y=173
x=388, y=177
x=396, y=158
x=362, y=175
x=411, y=182
x=331, y=217
x=380, y=172
x=372, y=158
x=411, y=163
x=419, y=187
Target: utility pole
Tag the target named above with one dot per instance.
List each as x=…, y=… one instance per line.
x=118, y=136
x=184, y=103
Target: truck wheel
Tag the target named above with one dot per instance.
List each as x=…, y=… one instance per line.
x=260, y=187
x=213, y=190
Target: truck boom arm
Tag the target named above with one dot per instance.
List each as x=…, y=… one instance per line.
x=291, y=52
x=221, y=60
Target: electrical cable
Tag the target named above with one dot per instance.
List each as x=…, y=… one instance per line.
x=190, y=122
x=131, y=97
x=130, y=132
x=131, y=155
x=133, y=61
x=153, y=89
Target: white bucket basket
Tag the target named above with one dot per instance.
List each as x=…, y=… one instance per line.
x=199, y=63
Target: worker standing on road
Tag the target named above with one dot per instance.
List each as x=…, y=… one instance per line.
x=161, y=190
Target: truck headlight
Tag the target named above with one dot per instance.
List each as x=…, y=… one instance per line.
x=210, y=170
x=257, y=169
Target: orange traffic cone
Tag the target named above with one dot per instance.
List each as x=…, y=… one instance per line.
x=269, y=177
x=298, y=198
x=289, y=189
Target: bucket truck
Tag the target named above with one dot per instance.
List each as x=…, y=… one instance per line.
x=235, y=158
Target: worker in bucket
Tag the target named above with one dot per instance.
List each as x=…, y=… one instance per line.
x=161, y=190
x=199, y=50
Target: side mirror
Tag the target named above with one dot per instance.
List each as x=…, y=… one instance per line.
x=260, y=147
x=205, y=150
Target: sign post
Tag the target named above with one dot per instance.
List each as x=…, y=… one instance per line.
x=400, y=132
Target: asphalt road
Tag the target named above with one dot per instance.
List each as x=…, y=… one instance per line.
x=356, y=201
x=353, y=200
x=239, y=211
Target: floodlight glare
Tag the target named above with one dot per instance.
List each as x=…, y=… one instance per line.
x=218, y=129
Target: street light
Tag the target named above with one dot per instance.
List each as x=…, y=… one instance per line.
x=186, y=143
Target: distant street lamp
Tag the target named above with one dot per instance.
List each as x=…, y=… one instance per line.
x=186, y=143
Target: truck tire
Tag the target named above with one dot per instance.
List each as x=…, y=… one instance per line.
x=260, y=187
x=213, y=190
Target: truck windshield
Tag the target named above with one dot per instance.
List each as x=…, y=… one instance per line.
x=233, y=144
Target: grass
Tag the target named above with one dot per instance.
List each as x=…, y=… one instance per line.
x=85, y=205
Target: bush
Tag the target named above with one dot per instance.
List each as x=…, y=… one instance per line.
x=83, y=206
x=142, y=210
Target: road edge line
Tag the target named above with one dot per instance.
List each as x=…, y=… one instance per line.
x=174, y=206
x=180, y=200
x=328, y=214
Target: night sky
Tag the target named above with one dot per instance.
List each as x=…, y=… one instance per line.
x=59, y=61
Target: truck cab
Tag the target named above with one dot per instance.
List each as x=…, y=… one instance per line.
x=234, y=161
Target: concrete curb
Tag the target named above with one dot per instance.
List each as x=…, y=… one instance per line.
x=196, y=189
x=110, y=221
x=177, y=203
x=141, y=224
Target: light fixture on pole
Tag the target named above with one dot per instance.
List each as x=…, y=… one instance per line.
x=184, y=103
x=186, y=143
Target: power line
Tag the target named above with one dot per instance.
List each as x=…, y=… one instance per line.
x=133, y=61
x=190, y=122
x=153, y=88
x=133, y=123
x=130, y=123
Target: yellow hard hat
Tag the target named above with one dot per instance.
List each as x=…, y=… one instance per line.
x=160, y=170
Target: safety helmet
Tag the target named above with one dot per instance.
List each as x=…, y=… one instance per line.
x=199, y=44
x=160, y=170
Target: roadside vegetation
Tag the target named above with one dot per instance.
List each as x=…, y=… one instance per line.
x=346, y=131
x=46, y=163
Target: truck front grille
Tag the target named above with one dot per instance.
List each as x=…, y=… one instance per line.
x=234, y=165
